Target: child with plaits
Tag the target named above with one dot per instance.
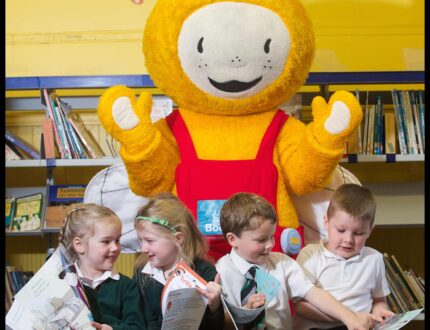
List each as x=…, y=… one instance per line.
x=168, y=234
x=90, y=236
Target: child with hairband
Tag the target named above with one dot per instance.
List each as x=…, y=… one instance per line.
x=90, y=236
x=168, y=234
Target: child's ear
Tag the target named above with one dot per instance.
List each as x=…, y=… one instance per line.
x=78, y=245
x=231, y=239
x=179, y=237
x=325, y=222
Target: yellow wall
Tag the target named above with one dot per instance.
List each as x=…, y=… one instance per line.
x=101, y=37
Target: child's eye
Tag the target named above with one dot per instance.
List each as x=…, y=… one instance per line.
x=341, y=230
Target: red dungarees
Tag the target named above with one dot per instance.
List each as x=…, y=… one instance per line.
x=205, y=180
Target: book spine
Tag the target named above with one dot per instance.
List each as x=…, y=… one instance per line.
x=419, y=296
x=409, y=123
x=52, y=116
x=399, y=124
x=371, y=130
x=421, y=115
x=404, y=122
x=48, y=138
x=73, y=139
x=21, y=144
x=84, y=142
x=396, y=295
x=366, y=127
x=399, y=270
x=416, y=121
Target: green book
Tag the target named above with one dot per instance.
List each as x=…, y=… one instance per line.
x=27, y=213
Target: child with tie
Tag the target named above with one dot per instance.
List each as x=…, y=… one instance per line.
x=248, y=223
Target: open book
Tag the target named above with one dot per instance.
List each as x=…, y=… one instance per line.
x=182, y=306
x=266, y=284
x=399, y=320
x=52, y=299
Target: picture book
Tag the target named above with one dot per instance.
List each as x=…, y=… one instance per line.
x=266, y=284
x=52, y=299
x=181, y=303
x=10, y=203
x=399, y=320
x=61, y=200
x=27, y=213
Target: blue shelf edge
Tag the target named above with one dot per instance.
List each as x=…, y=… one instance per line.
x=314, y=78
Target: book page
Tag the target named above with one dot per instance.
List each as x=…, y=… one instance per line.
x=399, y=320
x=266, y=284
x=184, y=310
x=181, y=277
x=50, y=302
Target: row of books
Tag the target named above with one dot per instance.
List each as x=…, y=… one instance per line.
x=407, y=288
x=397, y=128
x=15, y=278
x=25, y=213
x=64, y=135
x=63, y=132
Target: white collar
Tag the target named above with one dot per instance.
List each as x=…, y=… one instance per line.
x=242, y=264
x=329, y=254
x=113, y=274
x=156, y=273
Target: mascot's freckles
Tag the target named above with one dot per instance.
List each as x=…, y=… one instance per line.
x=229, y=65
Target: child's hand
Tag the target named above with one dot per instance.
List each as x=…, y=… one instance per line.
x=101, y=326
x=361, y=321
x=213, y=293
x=383, y=315
x=255, y=300
x=369, y=319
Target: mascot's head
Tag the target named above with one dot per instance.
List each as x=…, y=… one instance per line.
x=228, y=57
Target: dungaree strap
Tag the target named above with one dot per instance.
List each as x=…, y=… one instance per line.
x=186, y=146
x=182, y=135
x=267, y=145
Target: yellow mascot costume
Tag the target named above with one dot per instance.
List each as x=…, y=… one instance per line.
x=228, y=66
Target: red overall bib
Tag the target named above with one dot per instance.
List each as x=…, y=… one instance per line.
x=206, y=180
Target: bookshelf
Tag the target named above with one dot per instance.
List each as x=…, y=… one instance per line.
x=398, y=177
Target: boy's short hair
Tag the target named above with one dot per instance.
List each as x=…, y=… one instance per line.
x=355, y=200
x=244, y=211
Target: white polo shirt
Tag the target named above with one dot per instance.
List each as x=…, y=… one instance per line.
x=294, y=284
x=354, y=282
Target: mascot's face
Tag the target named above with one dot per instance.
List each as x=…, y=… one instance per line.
x=228, y=57
x=238, y=54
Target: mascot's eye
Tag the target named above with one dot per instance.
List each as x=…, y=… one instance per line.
x=200, y=45
x=267, y=46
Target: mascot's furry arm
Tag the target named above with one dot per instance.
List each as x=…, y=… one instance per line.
x=323, y=141
x=150, y=150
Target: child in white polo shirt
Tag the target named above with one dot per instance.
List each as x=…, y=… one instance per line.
x=353, y=273
x=248, y=223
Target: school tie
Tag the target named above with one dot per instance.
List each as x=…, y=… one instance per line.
x=249, y=288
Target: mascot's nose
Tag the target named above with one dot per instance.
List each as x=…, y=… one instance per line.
x=237, y=62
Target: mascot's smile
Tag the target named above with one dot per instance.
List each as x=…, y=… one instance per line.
x=234, y=86
x=233, y=50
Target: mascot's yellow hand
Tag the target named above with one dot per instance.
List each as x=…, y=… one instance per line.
x=334, y=122
x=126, y=119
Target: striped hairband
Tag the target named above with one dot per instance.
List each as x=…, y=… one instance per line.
x=160, y=222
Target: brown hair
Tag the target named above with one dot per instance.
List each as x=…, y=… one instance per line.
x=245, y=211
x=166, y=206
x=80, y=222
x=355, y=200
